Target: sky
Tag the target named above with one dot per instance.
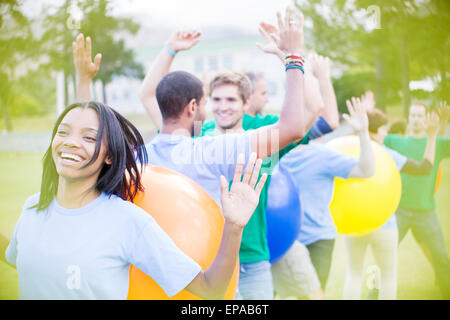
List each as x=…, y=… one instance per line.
x=199, y=14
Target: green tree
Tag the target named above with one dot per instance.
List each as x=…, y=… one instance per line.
x=411, y=43
x=98, y=23
x=104, y=30
x=16, y=45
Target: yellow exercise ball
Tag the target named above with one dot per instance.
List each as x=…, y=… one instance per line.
x=360, y=206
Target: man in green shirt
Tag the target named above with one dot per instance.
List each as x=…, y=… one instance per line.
x=229, y=97
x=417, y=206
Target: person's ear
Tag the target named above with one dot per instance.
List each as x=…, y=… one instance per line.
x=191, y=108
x=108, y=160
x=247, y=104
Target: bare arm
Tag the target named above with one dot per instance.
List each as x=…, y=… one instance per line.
x=357, y=119
x=180, y=40
x=444, y=114
x=314, y=103
x=238, y=206
x=321, y=70
x=84, y=67
x=292, y=124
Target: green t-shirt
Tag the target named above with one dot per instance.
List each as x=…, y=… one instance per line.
x=418, y=191
x=254, y=246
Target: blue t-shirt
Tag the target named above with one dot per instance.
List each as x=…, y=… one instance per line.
x=399, y=161
x=202, y=159
x=86, y=253
x=314, y=167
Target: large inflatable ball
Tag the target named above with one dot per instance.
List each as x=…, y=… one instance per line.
x=191, y=218
x=360, y=206
x=283, y=213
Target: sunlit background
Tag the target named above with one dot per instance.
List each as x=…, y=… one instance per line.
x=397, y=49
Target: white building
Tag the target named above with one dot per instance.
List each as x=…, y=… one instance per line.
x=238, y=53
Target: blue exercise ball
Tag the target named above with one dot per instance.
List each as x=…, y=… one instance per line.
x=283, y=213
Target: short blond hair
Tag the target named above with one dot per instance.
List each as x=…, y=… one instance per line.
x=235, y=78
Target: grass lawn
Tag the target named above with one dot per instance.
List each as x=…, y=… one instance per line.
x=20, y=177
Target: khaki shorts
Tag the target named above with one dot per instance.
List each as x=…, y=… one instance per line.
x=294, y=275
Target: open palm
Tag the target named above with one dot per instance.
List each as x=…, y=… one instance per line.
x=183, y=40
x=241, y=200
x=431, y=123
x=270, y=35
x=357, y=117
x=84, y=66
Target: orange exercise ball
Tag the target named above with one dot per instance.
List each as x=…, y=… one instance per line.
x=191, y=218
x=438, y=180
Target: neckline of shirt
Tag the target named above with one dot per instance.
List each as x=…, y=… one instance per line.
x=83, y=210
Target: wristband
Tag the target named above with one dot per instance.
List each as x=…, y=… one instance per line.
x=294, y=56
x=295, y=67
x=171, y=52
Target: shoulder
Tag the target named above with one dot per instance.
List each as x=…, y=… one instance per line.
x=254, y=122
x=302, y=152
x=32, y=200
x=209, y=124
x=392, y=138
x=28, y=212
x=127, y=212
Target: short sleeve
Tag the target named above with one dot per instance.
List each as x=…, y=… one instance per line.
x=388, y=141
x=254, y=122
x=319, y=128
x=11, y=251
x=270, y=119
x=156, y=255
x=337, y=163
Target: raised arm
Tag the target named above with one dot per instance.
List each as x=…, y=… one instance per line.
x=314, y=103
x=238, y=205
x=425, y=166
x=178, y=41
x=357, y=119
x=321, y=70
x=84, y=67
x=291, y=125
x=444, y=114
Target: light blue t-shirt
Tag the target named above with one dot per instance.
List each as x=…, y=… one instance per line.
x=86, y=253
x=399, y=161
x=202, y=159
x=314, y=167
